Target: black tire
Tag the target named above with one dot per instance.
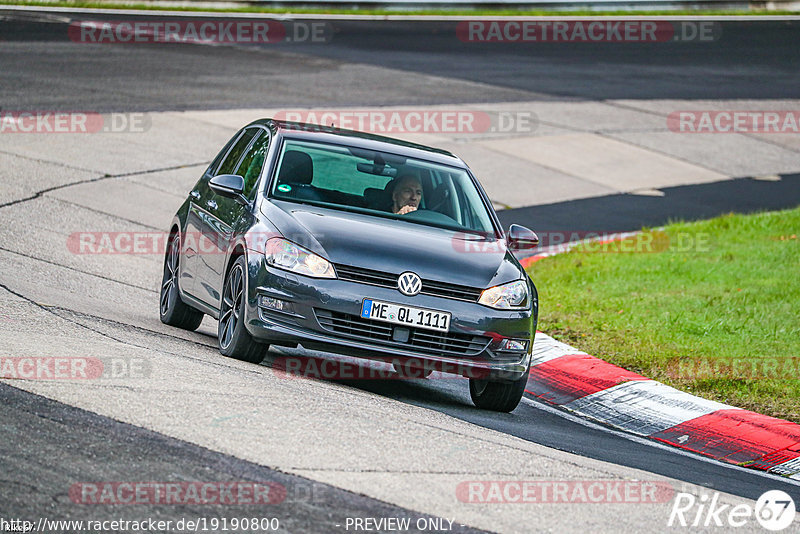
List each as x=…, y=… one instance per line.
x=172, y=310
x=497, y=396
x=408, y=370
x=234, y=339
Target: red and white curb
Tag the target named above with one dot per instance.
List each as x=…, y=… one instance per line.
x=566, y=377
x=563, y=376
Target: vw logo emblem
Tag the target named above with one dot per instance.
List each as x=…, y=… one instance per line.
x=409, y=283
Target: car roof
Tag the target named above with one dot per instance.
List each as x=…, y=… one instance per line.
x=364, y=140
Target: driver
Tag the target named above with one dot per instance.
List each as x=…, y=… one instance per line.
x=407, y=194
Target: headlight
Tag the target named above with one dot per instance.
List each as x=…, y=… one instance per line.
x=286, y=255
x=510, y=296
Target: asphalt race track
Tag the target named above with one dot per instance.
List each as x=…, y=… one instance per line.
x=357, y=448
x=749, y=61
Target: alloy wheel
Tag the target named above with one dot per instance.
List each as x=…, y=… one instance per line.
x=231, y=304
x=169, y=286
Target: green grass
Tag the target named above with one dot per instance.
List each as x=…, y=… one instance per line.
x=716, y=315
x=436, y=12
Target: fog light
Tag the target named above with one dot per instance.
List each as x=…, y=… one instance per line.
x=514, y=345
x=275, y=304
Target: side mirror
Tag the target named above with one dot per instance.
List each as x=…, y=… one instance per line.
x=521, y=238
x=229, y=185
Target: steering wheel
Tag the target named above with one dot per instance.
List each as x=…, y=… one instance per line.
x=431, y=216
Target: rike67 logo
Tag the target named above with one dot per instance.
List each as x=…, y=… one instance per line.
x=774, y=510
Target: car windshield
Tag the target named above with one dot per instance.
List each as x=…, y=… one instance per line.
x=381, y=184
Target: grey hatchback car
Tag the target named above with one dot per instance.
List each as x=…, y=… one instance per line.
x=356, y=244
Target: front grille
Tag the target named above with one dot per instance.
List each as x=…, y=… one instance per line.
x=365, y=276
x=429, y=287
x=440, y=343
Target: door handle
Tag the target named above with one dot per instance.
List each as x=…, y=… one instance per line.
x=211, y=204
x=195, y=195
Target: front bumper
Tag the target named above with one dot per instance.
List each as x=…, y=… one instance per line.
x=470, y=348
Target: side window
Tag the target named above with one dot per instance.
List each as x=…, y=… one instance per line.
x=218, y=159
x=236, y=152
x=251, y=165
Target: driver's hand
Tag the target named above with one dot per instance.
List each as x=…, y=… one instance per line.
x=406, y=209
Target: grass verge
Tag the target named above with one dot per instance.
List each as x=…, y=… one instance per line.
x=380, y=12
x=711, y=307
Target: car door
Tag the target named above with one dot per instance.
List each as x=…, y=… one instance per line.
x=224, y=214
x=191, y=257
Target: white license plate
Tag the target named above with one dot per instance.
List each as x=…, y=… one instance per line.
x=405, y=315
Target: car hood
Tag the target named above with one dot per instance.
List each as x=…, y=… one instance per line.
x=393, y=246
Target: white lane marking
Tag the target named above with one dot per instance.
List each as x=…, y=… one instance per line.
x=644, y=407
x=545, y=348
x=645, y=441
x=790, y=468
